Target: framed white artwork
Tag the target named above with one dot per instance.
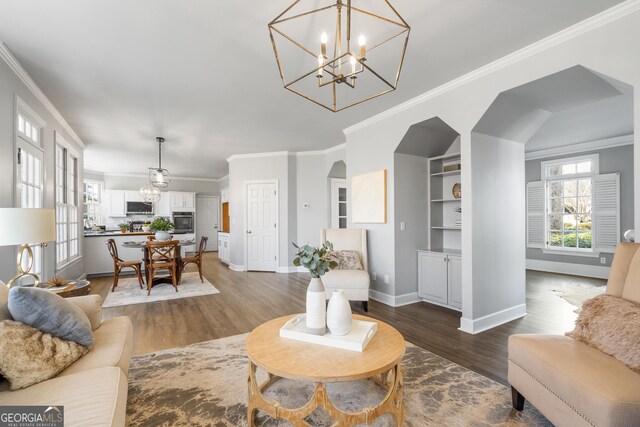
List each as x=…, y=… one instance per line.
x=369, y=198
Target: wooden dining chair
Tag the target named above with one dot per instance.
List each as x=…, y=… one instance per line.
x=151, y=238
x=162, y=256
x=120, y=264
x=197, y=257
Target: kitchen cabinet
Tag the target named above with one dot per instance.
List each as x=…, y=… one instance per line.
x=132, y=196
x=114, y=203
x=223, y=247
x=163, y=206
x=182, y=201
x=440, y=278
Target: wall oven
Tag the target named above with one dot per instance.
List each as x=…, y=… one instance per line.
x=183, y=222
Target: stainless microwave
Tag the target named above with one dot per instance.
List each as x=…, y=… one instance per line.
x=139, y=208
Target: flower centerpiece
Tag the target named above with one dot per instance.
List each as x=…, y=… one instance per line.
x=161, y=226
x=316, y=260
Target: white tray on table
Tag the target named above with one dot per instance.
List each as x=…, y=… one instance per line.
x=356, y=340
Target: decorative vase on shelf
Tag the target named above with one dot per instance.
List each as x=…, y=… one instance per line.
x=339, y=314
x=162, y=236
x=316, y=308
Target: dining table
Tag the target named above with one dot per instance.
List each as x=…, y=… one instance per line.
x=142, y=245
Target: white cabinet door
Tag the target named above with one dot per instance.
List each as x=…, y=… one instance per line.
x=163, y=206
x=455, y=281
x=189, y=201
x=132, y=196
x=176, y=200
x=116, y=205
x=432, y=276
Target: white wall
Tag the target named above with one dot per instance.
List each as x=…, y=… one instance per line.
x=206, y=187
x=606, y=44
x=270, y=167
x=10, y=87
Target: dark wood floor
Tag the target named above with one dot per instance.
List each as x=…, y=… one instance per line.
x=249, y=299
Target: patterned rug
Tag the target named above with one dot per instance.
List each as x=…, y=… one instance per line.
x=128, y=291
x=206, y=385
x=577, y=293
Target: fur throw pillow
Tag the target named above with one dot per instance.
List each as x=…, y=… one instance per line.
x=29, y=356
x=612, y=325
x=347, y=260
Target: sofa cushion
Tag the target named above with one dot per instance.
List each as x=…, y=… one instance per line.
x=29, y=356
x=611, y=325
x=600, y=387
x=113, y=346
x=91, y=305
x=50, y=313
x=631, y=289
x=4, y=302
x=346, y=260
x=95, y=398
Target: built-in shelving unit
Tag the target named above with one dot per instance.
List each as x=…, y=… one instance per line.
x=444, y=216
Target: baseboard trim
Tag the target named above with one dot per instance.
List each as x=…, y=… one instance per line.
x=481, y=324
x=394, y=301
x=596, y=271
x=287, y=270
x=238, y=268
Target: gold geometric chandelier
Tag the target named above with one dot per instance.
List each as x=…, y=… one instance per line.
x=318, y=59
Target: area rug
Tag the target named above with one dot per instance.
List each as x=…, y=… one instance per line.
x=206, y=385
x=128, y=291
x=577, y=293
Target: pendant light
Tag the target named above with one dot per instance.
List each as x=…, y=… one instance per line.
x=159, y=177
x=149, y=194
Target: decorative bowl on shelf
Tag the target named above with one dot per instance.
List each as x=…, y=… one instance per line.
x=457, y=191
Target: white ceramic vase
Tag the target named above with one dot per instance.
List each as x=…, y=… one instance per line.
x=162, y=236
x=316, y=320
x=339, y=314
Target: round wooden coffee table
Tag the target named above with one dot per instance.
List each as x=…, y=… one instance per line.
x=296, y=360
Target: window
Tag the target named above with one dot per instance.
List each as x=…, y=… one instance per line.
x=92, y=201
x=569, y=203
x=67, y=244
x=574, y=210
x=29, y=169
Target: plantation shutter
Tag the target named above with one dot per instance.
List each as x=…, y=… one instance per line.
x=606, y=212
x=535, y=215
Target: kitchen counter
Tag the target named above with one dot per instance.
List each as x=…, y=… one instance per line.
x=120, y=233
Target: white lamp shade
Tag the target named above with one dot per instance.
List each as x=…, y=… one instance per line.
x=27, y=225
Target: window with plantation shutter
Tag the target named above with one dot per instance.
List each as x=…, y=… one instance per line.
x=535, y=215
x=606, y=216
x=573, y=209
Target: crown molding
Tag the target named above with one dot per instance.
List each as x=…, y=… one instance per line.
x=580, y=147
x=257, y=155
x=614, y=13
x=22, y=74
x=322, y=152
x=141, y=175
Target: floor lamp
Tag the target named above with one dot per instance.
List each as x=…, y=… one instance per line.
x=24, y=226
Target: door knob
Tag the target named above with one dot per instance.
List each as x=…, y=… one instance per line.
x=215, y=226
x=248, y=231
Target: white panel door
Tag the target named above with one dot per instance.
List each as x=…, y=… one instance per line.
x=338, y=203
x=455, y=281
x=432, y=276
x=207, y=221
x=262, y=226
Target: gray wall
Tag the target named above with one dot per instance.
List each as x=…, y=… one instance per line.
x=10, y=87
x=113, y=182
x=499, y=231
x=616, y=159
x=411, y=206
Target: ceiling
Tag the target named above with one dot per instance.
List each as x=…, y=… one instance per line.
x=203, y=75
x=572, y=106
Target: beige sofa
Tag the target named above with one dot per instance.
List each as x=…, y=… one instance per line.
x=574, y=384
x=354, y=283
x=93, y=390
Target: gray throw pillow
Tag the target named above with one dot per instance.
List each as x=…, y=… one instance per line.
x=50, y=313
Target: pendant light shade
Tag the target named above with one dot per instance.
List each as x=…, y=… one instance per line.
x=159, y=177
x=149, y=194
